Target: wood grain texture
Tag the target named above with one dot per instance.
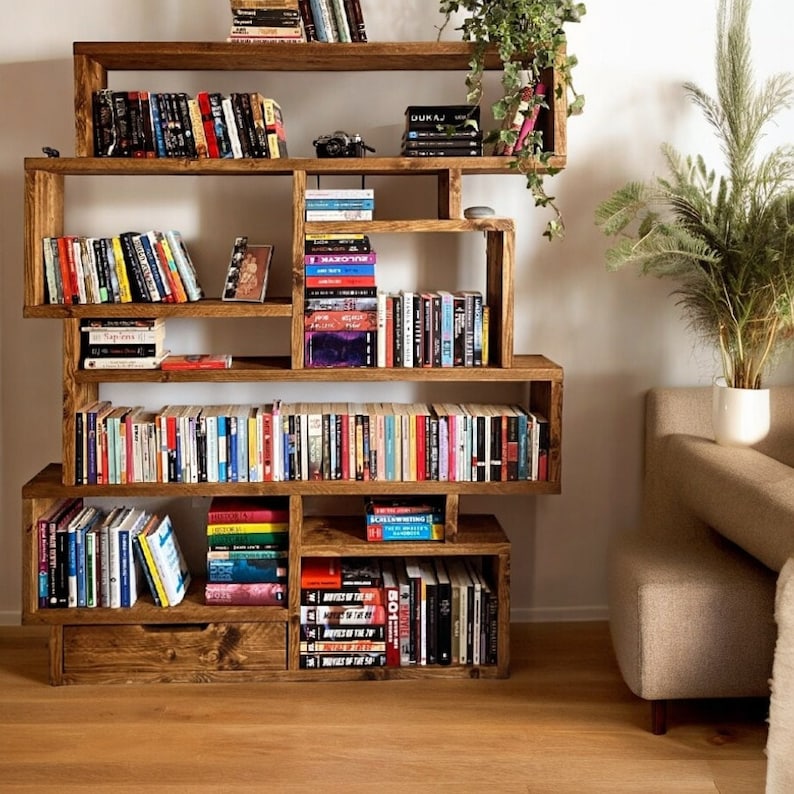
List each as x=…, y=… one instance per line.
x=564, y=722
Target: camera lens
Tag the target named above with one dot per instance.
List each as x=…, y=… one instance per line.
x=334, y=146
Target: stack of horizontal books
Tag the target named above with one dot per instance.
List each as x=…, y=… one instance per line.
x=248, y=546
x=442, y=131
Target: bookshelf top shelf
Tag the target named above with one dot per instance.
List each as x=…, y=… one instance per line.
x=284, y=57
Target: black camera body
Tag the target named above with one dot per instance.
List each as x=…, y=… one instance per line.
x=341, y=144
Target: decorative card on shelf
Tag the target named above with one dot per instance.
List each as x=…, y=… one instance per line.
x=249, y=269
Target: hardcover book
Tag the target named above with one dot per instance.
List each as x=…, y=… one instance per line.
x=249, y=271
x=340, y=349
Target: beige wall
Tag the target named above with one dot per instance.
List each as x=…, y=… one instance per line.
x=616, y=335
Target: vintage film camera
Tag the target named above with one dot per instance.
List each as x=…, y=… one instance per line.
x=341, y=144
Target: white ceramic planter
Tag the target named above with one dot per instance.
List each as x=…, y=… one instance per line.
x=740, y=416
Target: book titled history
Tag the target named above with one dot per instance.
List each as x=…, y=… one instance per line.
x=248, y=509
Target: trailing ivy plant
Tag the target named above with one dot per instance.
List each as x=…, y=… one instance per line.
x=515, y=29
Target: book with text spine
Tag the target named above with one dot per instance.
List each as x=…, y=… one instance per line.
x=328, y=661
x=245, y=593
x=246, y=569
x=169, y=560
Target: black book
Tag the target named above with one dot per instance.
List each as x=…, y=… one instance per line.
x=440, y=151
x=133, y=266
x=121, y=117
x=104, y=123
x=443, y=613
x=355, y=20
x=424, y=117
x=443, y=142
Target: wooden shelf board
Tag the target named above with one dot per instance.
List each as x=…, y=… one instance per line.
x=47, y=484
x=286, y=57
x=341, y=536
x=527, y=368
x=208, y=307
x=375, y=166
x=191, y=611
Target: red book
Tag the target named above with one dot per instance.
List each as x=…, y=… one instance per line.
x=321, y=572
x=530, y=121
x=198, y=361
x=245, y=594
x=208, y=121
x=339, y=281
x=251, y=510
x=334, y=320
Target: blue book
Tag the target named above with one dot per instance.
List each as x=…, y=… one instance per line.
x=340, y=204
x=425, y=531
x=223, y=462
x=340, y=270
x=247, y=570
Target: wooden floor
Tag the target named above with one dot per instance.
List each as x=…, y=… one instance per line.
x=564, y=723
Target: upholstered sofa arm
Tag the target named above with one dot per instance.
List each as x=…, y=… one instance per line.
x=741, y=493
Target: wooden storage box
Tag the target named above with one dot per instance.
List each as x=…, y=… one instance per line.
x=173, y=653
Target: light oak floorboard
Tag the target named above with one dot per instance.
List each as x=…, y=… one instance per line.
x=564, y=722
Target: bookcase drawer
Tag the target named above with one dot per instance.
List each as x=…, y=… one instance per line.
x=173, y=653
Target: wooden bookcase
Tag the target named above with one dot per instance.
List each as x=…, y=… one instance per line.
x=195, y=642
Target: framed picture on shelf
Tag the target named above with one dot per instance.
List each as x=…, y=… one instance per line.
x=249, y=269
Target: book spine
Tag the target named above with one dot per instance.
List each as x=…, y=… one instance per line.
x=391, y=532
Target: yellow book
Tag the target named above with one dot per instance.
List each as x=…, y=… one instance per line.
x=259, y=526
x=154, y=576
x=125, y=294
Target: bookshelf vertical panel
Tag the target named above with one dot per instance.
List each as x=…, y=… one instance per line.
x=449, y=194
x=500, y=254
x=31, y=509
x=451, y=515
x=298, y=246
x=43, y=218
x=296, y=507
x=89, y=76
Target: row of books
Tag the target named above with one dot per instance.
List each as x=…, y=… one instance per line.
x=281, y=441
x=175, y=124
x=298, y=20
x=247, y=551
x=396, y=613
x=149, y=267
x=442, y=131
x=89, y=558
x=410, y=329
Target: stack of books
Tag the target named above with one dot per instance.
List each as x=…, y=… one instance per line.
x=124, y=343
x=343, y=613
x=148, y=267
x=248, y=545
x=442, y=131
x=340, y=205
x=404, y=519
x=209, y=124
x=340, y=301
x=266, y=21
x=333, y=20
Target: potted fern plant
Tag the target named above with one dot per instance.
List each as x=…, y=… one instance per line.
x=529, y=37
x=727, y=240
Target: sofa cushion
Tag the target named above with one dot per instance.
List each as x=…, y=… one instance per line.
x=741, y=493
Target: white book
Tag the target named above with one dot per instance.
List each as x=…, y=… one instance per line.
x=169, y=560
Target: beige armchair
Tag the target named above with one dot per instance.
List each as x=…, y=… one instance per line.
x=692, y=591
